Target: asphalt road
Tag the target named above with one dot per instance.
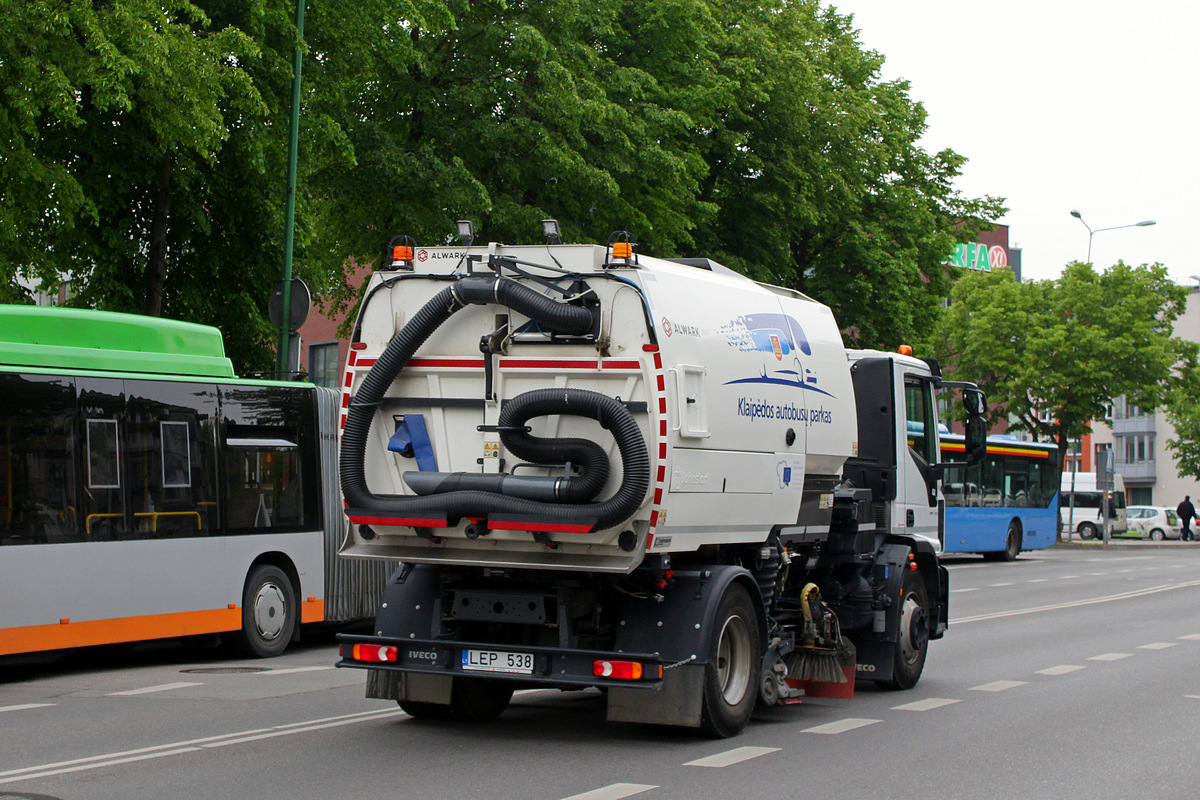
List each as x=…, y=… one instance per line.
x=1069, y=673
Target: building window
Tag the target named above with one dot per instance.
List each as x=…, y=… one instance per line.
x=323, y=364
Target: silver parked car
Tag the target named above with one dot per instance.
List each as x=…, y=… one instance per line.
x=1155, y=522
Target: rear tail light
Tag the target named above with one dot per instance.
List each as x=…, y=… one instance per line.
x=370, y=652
x=625, y=670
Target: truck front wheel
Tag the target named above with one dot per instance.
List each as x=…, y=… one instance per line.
x=731, y=675
x=913, y=644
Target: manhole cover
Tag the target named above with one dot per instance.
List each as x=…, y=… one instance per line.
x=220, y=671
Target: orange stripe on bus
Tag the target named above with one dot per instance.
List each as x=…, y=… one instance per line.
x=61, y=635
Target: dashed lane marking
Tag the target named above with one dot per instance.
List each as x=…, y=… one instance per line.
x=928, y=704
x=996, y=585
x=997, y=686
x=841, y=726
x=730, y=757
x=1193, y=636
x=1038, y=580
x=1157, y=645
x=963, y=591
x=1110, y=656
x=164, y=687
x=613, y=792
x=25, y=706
x=1061, y=669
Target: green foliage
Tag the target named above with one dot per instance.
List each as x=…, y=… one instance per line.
x=148, y=145
x=1063, y=348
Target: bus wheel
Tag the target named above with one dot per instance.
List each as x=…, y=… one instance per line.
x=909, y=659
x=479, y=699
x=1087, y=531
x=1012, y=545
x=268, y=611
x=731, y=675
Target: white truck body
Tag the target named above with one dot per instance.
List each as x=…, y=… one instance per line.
x=749, y=411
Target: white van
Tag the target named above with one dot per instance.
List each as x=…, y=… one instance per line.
x=1087, y=520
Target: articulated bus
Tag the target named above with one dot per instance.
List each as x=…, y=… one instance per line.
x=146, y=492
x=1003, y=505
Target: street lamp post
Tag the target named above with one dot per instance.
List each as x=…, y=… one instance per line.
x=1092, y=233
x=1104, y=501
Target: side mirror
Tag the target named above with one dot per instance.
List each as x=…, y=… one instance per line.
x=976, y=440
x=974, y=402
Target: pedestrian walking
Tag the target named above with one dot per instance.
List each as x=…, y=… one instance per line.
x=1186, y=512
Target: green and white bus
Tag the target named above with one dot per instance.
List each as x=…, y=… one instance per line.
x=147, y=492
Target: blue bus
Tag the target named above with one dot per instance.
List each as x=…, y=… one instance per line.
x=1006, y=503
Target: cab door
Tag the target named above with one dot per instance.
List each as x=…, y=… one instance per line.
x=918, y=503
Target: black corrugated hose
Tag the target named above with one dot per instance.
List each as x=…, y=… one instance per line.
x=610, y=413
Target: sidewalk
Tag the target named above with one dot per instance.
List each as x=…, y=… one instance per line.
x=1125, y=541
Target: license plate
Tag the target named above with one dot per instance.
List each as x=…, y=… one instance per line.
x=497, y=661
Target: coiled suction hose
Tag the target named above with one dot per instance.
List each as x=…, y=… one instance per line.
x=611, y=414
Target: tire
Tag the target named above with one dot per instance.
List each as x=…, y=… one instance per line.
x=909, y=656
x=471, y=700
x=268, y=611
x=479, y=699
x=1012, y=544
x=1157, y=535
x=1087, y=531
x=419, y=710
x=734, y=662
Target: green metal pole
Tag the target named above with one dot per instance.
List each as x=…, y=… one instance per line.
x=289, y=224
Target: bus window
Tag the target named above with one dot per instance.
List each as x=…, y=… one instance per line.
x=264, y=479
x=170, y=458
x=101, y=406
x=37, y=460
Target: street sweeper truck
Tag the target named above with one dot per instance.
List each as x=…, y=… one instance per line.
x=656, y=477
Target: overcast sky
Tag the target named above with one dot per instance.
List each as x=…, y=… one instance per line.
x=1060, y=105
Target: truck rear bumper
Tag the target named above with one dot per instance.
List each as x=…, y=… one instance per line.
x=537, y=666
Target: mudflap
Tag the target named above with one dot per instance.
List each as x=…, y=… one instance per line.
x=407, y=611
x=877, y=648
x=679, y=629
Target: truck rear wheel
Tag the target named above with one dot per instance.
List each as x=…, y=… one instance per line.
x=471, y=700
x=909, y=657
x=731, y=675
x=480, y=699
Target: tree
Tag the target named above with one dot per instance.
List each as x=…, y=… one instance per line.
x=1183, y=411
x=1051, y=355
x=819, y=179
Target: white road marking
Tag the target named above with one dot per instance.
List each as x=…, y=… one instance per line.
x=292, y=670
x=1190, y=636
x=926, y=705
x=997, y=686
x=841, y=726
x=1061, y=669
x=995, y=585
x=175, y=748
x=1110, y=657
x=962, y=591
x=25, y=706
x=1068, y=577
x=1077, y=603
x=735, y=756
x=1157, y=645
x=1038, y=580
x=614, y=792
x=164, y=687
